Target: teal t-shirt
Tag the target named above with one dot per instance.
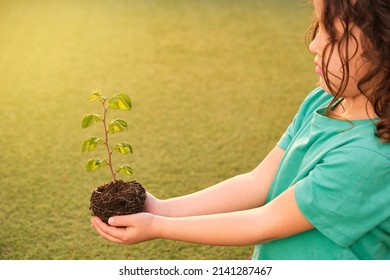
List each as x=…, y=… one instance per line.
x=341, y=174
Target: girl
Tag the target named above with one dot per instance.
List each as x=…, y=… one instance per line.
x=323, y=192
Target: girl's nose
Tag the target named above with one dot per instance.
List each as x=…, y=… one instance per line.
x=314, y=46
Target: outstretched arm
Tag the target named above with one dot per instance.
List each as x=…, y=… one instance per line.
x=278, y=219
x=242, y=192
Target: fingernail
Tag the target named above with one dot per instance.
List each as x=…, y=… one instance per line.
x=111, y=221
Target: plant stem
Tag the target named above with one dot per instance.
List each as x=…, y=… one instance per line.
x=109, y=153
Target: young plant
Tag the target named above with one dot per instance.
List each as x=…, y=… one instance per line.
x=116, y=197
x=119, y=101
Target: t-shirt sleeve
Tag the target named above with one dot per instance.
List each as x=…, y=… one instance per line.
x=347, y=194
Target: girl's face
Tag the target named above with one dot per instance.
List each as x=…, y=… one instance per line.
x=334, y=69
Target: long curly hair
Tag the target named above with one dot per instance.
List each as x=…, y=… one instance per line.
x=372, y=17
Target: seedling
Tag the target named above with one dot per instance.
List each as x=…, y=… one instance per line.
x=116, y=197
x=119, y=101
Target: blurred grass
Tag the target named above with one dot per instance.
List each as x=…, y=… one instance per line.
x=213, y=83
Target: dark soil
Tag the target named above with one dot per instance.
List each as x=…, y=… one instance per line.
x=121, y=198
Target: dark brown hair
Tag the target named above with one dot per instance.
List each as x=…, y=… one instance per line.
x=372, y=17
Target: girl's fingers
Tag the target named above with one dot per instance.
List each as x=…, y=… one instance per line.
x=120, y=221
x=108, y=232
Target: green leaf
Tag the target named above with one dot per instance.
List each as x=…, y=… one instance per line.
x=96, y=95
x=95, y=163
x=117, y=125
x=89, y=119
x=120, y=101
x=91, y=143
x=123, y=148
x=125, y=169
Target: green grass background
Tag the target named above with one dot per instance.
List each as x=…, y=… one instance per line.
x=214, y=84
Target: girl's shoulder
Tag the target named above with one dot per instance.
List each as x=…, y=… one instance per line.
x=318, y=98
x=315, y=100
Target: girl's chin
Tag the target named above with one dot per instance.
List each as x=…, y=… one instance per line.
x=322, y=84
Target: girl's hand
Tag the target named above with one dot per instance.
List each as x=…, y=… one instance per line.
x=153, y=205
x=130, y=229
x=135, y=228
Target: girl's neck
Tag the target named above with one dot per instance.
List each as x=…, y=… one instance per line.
x=355, y=108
